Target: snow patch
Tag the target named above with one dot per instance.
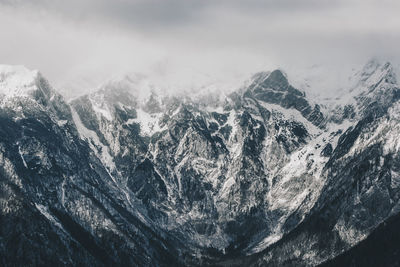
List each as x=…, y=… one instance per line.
x=99, y=106
x=291, y=114
x=22, y=157
x=62, y=123
x=269, y=240
x=95, y=144
x=226, y=186
x=149, y=123
x=44, y=211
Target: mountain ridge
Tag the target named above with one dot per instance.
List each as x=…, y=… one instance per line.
x=251, y=174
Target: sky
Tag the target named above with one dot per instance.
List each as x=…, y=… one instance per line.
x=78, y=44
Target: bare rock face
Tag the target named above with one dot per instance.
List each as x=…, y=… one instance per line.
x=263, y=177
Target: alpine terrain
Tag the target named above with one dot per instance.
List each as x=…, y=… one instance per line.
x=263, y=176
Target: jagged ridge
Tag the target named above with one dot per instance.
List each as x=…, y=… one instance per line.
x=262, y=176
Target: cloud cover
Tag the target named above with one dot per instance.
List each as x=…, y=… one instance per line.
x=79, y=44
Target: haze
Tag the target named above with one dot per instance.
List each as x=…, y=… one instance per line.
x=79, y=44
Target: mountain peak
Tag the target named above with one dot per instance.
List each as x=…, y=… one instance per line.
x=277, y=76
x=19, y=83
x=376, y=71
x=18, y=80
x=275, y=81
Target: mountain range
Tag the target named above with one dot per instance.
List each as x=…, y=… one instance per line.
x=263, y=176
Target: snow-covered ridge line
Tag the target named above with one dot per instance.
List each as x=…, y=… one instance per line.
x=17, y=80
x=320, y=84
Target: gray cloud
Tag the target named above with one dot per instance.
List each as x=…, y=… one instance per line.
x=162, y=14
x=79, y=43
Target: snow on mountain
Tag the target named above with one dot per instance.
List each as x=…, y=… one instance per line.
x=149, y=123
x=272, y=171
x=303, y=158
x=17, y=80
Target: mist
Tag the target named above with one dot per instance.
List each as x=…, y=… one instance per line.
x=78, y=45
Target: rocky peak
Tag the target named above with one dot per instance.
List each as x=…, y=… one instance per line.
x=275, y=81
x=25, y=89
x=377, y=89
x=274, y=88
x=375, y=71
x=371, y=90
x=214, y=179
x=18, y=81
x=277, y=77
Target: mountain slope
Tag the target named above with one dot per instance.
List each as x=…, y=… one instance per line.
x=379, y=248
x=59, y=204
x=263, y=176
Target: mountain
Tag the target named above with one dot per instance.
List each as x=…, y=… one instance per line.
x=263, y=176
x=59, y=205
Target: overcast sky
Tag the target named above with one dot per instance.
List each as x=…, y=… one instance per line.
x=80, y=43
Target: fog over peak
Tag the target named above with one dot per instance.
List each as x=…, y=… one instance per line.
x=79, y=45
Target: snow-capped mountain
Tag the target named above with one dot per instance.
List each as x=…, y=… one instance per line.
x=262, y=176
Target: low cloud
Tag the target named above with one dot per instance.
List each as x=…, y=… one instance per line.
x=79, y=44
